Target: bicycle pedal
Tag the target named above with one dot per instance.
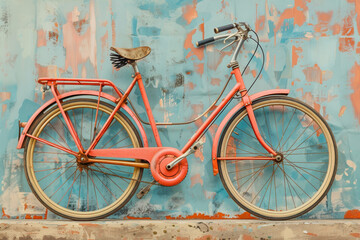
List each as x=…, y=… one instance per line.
x=145, y=190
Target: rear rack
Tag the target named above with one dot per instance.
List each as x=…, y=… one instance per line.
x=79, y=81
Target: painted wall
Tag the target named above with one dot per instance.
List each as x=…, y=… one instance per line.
x=312, y=47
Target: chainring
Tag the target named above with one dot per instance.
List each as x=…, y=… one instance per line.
x=168, y=177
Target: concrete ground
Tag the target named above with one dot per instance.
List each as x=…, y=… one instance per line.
x=180, y=229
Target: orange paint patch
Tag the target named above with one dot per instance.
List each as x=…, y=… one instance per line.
x=196, y=179
x=297, y=13
x=357, y=235
x=198, y=52
x=89, y=224
x=348, y=27
x=336, y=29
x=324, y=19
x=189, y=12
x=355, y=213
x=253, y=72
x=247, y=237
x=190, y=85
x=342, y=110
x=199, y=68
x=218, y=215
x=5, y=96
x=355, y=85
x=104, y=46
x=113, y=33
x=215, y=81
x=143, y=218
x=41, y=38
x=28, y=216
x=313, y=74
x=346, y=44
x=201, y=29
x=311, y=234
x=4, y=214
x=79, y=40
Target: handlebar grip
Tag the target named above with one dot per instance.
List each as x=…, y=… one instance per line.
x=205, y=41
x=224, y=28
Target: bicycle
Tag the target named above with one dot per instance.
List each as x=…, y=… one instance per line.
x=85, y=151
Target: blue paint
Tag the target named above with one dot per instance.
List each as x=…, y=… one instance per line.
x=161, y=25
x=149, y=31
x=135, y=38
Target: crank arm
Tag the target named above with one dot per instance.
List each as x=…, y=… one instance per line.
x=187, y=153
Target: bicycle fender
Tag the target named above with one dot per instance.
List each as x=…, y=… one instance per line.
x=80, y=93
x=214, y=153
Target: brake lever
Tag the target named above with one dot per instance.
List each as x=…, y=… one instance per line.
x=230, y=36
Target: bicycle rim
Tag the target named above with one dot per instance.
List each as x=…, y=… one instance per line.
x=73, y=190
x=293, y=186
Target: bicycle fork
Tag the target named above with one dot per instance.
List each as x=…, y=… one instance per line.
x=248, y=105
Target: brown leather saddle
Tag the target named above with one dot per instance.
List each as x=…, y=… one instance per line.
x=123, y=56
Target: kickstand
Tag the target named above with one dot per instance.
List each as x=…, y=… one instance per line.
x=145, y=190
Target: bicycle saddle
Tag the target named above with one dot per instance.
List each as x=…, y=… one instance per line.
x=123, y=56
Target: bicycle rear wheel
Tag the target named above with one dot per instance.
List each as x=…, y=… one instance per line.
x=278, y=190
x=71, y=189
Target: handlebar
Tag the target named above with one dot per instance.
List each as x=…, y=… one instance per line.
x=222, y=29
x=225, y=27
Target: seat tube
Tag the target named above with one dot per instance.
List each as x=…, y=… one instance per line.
x=247, y=103
x=147, y=107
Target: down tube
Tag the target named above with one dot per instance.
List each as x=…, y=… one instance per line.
x=211, y=117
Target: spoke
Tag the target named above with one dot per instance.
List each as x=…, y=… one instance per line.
x=307, y=168
x=316, y=153
x=79, y=191
x=254, y=137
x=301, y=135
x=56, y=140
x=65, y=126
x=289, y=185
x=297, y=184
x=291, y=134
x=113, y=137
x=270, y=179
x=241, y=170
x=245, y=152
x=99, y=190
x=253, y=174
x=268, y=129
x=105, y=186
x=284, y=187
x=72, y=186
x=120, y=141
x=249, y=147
x=313, y=145
x=275, y=189
x=283, y=134
x=121, y=177
x=297, y=167
x=256, y=177
x=58, y=169
x=52, y=152
x=62, y=184
x=302, y=142
x=87, y=190
x=92, y=180
x=82, y=121
x=277, y=132
x=62, y=137
x=112, y=180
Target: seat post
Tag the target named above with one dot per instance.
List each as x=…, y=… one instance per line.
x=135, y=67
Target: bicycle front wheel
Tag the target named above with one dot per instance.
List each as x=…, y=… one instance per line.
x=66, y=186
x=292, y=185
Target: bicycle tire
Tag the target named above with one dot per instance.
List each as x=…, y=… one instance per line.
x=113, y=181
x=248, y=189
